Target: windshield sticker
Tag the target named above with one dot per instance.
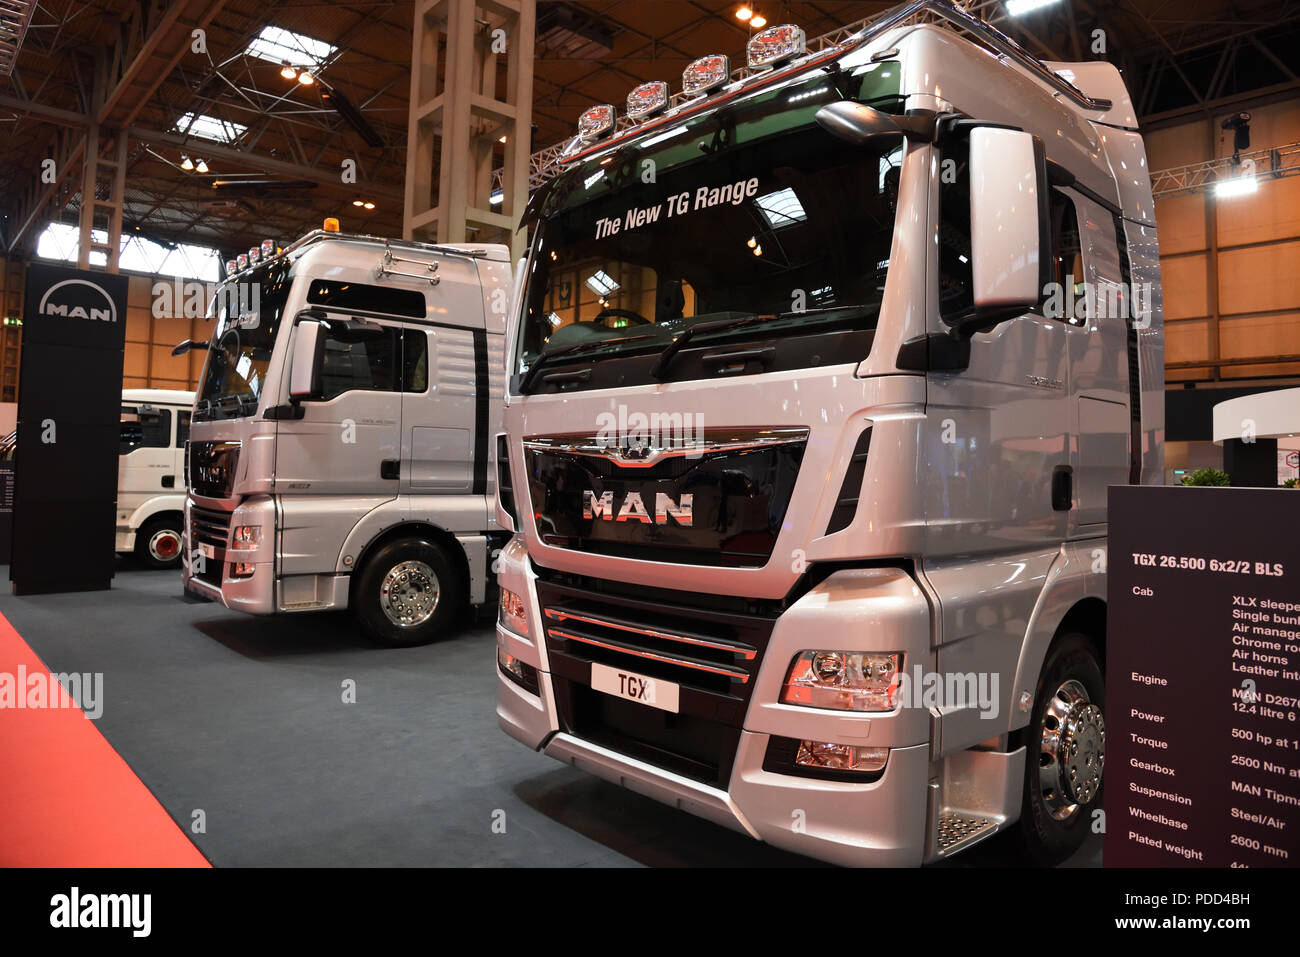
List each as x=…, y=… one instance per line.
x=682, y=203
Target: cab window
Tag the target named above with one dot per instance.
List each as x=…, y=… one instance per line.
x=144, y=430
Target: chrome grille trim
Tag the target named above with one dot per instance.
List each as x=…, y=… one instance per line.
x=637, y=456
x=747, y=652
x=734, y=674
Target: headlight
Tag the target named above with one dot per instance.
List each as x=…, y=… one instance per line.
x=246, y=536
x=511, y=613
x=843, y=680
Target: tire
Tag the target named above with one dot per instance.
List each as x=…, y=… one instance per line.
x=1065, y=753
x=396, y=583
x=159, y=544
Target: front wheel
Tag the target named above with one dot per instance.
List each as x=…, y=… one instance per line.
x=409, y=593
x=158, y=543
x=1065, y=752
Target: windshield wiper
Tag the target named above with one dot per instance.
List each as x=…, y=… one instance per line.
x=724, y=325
x=717, y=325
x=545, y=357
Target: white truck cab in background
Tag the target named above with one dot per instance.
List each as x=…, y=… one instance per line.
x=808, y=438
x=150, y=474
x=342, y=444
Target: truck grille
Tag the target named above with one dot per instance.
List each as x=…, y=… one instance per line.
x=211, y=468
x=210, y=526
x=720, y=500
x=710, y=646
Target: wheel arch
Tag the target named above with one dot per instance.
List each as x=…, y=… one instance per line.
x=413, y=529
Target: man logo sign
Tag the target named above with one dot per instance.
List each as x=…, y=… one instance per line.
x=78, y=299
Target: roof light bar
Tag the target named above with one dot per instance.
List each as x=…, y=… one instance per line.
x=596, y=121
x=647, y=99
x=776, y=45
x=705, y=74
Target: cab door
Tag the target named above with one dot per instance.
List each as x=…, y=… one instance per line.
x=145, y=460
x=348, y=441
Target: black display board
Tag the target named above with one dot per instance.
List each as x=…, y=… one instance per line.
x=69, y=415
x=1203, y=678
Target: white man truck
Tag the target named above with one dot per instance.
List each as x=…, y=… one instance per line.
x=151, y=475
x=341, y=445
x=150, y=470
x=816, y=385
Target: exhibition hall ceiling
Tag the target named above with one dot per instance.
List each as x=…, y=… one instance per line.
x=272, y=145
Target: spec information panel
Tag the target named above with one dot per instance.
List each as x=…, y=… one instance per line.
x=1203, y=677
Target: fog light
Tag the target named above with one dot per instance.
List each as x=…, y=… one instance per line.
x=243, y=569
x=511, y=613
x=840, y=757
x=520, y=672
x=843, y=680
x=246, y=537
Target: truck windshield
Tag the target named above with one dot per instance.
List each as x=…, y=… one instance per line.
x=751, y=211
x=248, y=314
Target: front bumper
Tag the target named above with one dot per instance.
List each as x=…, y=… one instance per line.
x=881, y=822
x=209, y=561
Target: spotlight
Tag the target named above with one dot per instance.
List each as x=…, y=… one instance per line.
x=288, y=72
x=187, y=164
x=744, y=13
x=358, y=202
x=201, y=166
x=306, y=79
x=758, y=22
x=369, y=205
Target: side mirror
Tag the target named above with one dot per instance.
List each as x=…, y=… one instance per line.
x=858, y=124
x=187, y=345
x=1008, y=220
x=308, y=358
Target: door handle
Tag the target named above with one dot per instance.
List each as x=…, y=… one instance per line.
x=1062, y=488
x=169, y=481
x=389, y=468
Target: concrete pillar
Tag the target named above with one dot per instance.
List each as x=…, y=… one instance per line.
x=459, y=111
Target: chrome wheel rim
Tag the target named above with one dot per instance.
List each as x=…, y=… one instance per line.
x=165, y=545
x=409, y=594
x=1072, y=754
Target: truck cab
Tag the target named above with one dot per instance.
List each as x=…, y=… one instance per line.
x=818, y=378
x=341, y=451
x=150, y=475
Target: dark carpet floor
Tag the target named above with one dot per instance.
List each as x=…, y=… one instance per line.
x=243, y=718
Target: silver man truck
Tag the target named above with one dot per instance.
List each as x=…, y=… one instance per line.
x=341, y=445
x=818, y=378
